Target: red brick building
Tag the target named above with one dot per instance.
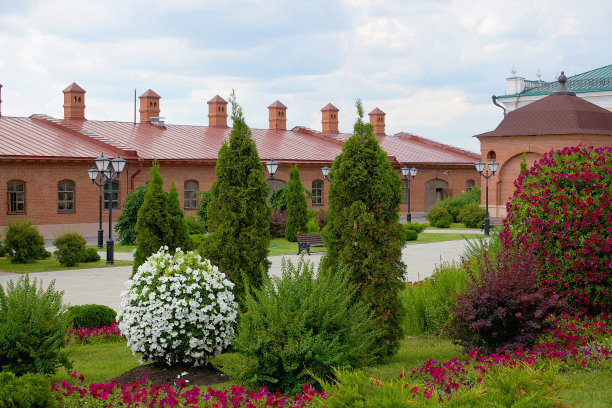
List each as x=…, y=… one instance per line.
x=559, y=120
x=44, y=160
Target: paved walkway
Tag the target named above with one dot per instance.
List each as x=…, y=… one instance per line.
x=104, y=285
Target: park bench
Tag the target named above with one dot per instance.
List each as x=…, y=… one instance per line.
x=495, y=221
x=307, y=240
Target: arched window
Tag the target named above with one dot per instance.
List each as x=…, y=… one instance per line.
x=317, y=192
x=65, y=196
x=191, y=195
x=491, y=155
x=469, y=185
x=113, y=196
x=16, y=196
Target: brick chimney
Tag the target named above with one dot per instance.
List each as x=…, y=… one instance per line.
x=74, y=102
x=329, y=118
x=277, y=116
x=377, y=119
x=217, y=111
x=149, y=106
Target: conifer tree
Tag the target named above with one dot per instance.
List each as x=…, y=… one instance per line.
x=297, y=208
x=178, y=237
x=152, y=223
x=363, y=234
x=238, y=214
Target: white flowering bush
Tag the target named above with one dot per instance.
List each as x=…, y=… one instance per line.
x=177, y=308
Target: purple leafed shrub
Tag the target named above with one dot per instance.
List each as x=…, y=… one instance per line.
x=562, y=208
x=278, y=222
x=503, y=307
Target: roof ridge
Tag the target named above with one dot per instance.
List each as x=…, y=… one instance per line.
x=434, y=143
x=121, y=148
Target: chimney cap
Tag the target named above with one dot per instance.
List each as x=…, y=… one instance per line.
x=73, y=87
x=277, y=104
x=217, y=99
x=377, y=111
x=329, y=107
x=150, y=94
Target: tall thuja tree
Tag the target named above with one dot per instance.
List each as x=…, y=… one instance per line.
x=297, y=209
x=363, y=234
x=238, y=214
x=152, y=223
x=178, y=237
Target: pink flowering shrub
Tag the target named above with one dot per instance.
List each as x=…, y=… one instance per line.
x=85, y=335
x=562, y=207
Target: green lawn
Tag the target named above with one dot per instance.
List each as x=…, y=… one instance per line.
x=280, y=246
x=52, y=264
x=117, y=248
x=442, y=236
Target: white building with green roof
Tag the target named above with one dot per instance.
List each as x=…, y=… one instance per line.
x=594, y=86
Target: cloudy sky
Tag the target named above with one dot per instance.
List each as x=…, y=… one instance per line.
x=432, y=66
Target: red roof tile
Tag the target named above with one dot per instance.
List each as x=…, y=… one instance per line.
x=73, y=87
x=555, y=115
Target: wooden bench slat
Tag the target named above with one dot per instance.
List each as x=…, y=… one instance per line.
x=305, y=241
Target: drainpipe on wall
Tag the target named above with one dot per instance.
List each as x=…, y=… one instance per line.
x=140, y=164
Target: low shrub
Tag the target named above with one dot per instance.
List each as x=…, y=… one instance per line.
x=3, y=250
x=454, y=205
x=503, y=307
x=410, y=235
x=89, y=255
x=439, y=217
x=321, y=219
x=177, y=308
x=278, y=222
x=428, y=303
x=415, y=226
x=471, y=216
x=70, y=247
x=193, y=226
x=91, y=316
x=197, y=239
x=27, y=391
x=296, y=327
x=33, y=326
x=24, y=244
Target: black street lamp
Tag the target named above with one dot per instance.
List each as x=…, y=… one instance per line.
x=480, y=168
x=109, y=174
x=271, y=166
x=409, y=175
x=93, y=176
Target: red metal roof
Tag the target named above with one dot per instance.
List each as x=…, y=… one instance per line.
x=555, y=115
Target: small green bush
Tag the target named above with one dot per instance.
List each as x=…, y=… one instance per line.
x=197, y=239
x=454, y=205
x=202, y=213
x=91, y=316
x=89, y=255
x=28, y=391
x=194, y=226
x=415, y=226
x=24, y=244
x=296, y=327
x=3, y=251
x=126, y=223
x=70, y=247
x=410, y=235
x=278, y=199
x=439, y=217
x=33, y=327
x=471, y=216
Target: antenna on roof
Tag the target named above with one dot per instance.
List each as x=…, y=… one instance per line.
x=134, y=105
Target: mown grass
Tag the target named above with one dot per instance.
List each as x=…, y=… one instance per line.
x=441, y=236
x=592, y=389
x=52, y=264
x=280, y=246
x=117, y=248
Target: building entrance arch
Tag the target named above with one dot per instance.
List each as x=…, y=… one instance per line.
x=435, y=190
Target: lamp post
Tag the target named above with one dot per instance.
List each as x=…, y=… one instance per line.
x=325, y=171
x=110, y=174
x=480, y=168
x=271, y=166
x=409, y=175
x=93, y=176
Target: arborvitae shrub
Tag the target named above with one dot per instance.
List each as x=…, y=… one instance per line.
x=152, y=224
x=562, y=207
x=27, y=391
x=194, y=226
x=504, y=307
x=439, y=217
x=410, y=235
x=471, y=216
x=24, y=244
x=70, y=247
x=297, y=329
x=297, y=209
x=126, y=223
x=363, y=235
x=91, y=316
x=178, y=236
x=202, y=213
x=89, y=255
x=238, y=215
x=33, y=327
